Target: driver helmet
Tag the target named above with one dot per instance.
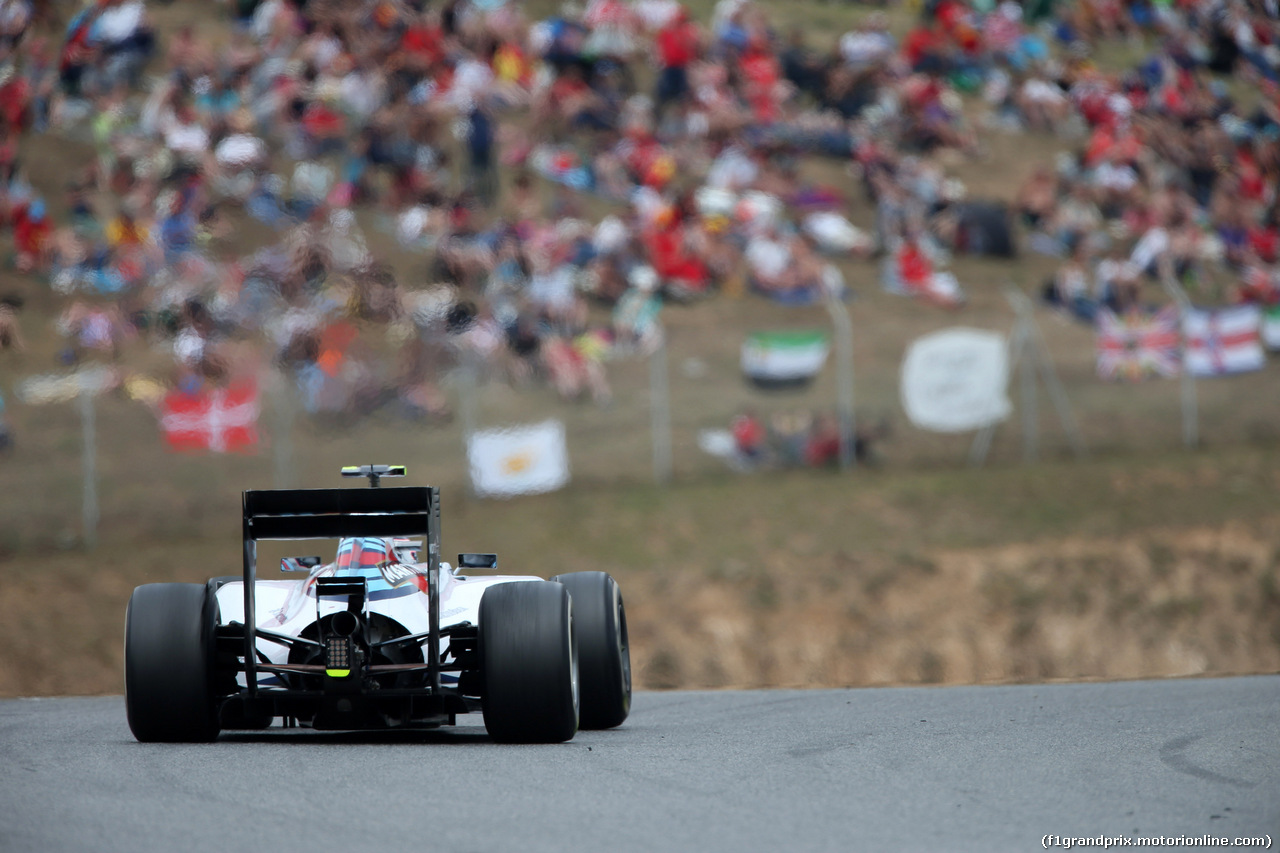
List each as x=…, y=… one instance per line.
x=367, y=552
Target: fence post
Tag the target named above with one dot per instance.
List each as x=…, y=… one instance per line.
x=843, y=326
x=89, y=463
x=284, y=404
x=1190, y=407
x=660, y=410
x=468, y=379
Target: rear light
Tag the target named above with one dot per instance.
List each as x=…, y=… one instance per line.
x=337, y=657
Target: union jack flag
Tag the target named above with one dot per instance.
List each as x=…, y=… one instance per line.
x=1223, y=340
x=1138, y=345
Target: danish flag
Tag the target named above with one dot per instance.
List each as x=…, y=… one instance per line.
x=221, y=420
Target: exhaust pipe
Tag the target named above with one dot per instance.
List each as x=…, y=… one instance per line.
x=344, y=623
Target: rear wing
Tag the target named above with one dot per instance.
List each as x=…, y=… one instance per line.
x=334, y=514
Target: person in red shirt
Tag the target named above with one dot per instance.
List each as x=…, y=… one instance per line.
x=324, y=126
x=924, y=48
x=1264, y=237
x=672, y=260
x=761, y=73
x=822, y=448
x=749, y=436
x=677, y=45
x=423, y=41
x=914, y=267
x=31, y=234
x=15, y=95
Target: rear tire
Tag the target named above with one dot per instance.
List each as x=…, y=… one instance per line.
x=168, y=663
x=604, y=654
x=528, y=659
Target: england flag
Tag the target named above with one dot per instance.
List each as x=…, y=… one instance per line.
x=1223, y=340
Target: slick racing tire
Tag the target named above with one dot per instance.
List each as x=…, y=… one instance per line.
x=528, y=658
x=168, y=663
x=604, y=655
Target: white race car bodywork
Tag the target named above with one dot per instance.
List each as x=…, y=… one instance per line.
x=289, y=607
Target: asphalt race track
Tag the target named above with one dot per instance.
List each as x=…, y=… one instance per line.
x=911, y=769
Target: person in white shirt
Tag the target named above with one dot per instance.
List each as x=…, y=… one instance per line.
x=117, y=23
x=120, y=30
x=1116, y=281
x=550, y=288
x=15, y=15
x=184, y=135
x=867, y=45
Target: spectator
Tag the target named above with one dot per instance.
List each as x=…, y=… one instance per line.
x=749, y=437
x=10, y=330
x=676, y=46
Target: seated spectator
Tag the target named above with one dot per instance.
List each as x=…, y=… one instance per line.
x=575, y=365
x=635, y=317
x=822, y=449
x=1069, y=288
x=10, y=329
x=789, y=437
x=868, y=44
x=550, y=292
x=911, y=271
x=1037, y=199
x=32, y=231
x=1117, y=282
x=749, y=436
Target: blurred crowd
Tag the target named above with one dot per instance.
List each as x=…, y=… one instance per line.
x=1176, y=175
x=562, y=179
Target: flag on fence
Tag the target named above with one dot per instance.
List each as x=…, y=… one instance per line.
x=1137, y=346
x=775, y=359
x=1223, y=340
x=221, y=420
x=956, y=380
x=519, y=460
x=1271, y=328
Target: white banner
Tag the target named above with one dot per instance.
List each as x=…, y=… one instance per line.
x=518, y=460
x=956, y=380
x=61, y=387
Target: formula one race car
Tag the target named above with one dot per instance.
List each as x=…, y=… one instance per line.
x=385, y=636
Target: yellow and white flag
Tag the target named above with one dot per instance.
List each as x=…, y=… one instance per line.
x=518, y=460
